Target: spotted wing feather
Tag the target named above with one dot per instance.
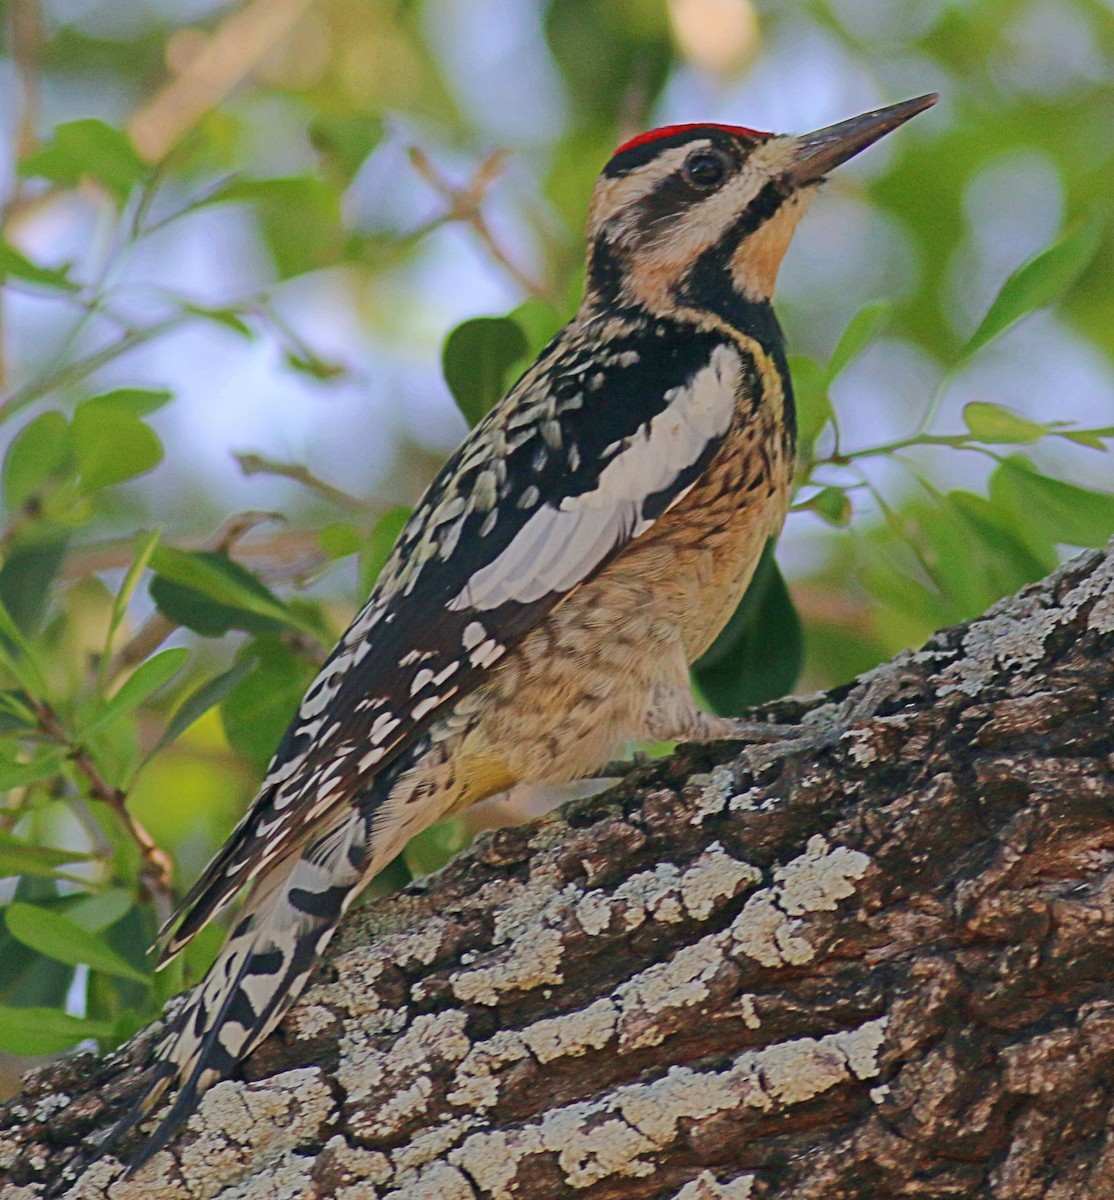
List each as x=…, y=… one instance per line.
x=582, y=457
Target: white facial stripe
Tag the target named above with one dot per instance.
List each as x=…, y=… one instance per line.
x=559, y=547
x=686, y=235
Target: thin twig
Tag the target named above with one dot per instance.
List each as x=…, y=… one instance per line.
x=63, y=376
x=257, y=464
x=157, y=867
x=465, y=205
x=228, y=55
x=277, y=557
x=26, y=39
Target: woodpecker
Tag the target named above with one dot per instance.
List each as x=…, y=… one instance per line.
x=581, y=548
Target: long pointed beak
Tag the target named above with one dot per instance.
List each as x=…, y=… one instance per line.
x=822, y=151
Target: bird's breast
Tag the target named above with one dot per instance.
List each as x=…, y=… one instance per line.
x=699, y=558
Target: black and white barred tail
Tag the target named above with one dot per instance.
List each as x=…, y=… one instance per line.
x=287, y=920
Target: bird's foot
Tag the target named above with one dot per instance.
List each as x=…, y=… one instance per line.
x=822, y=733
x=619, y=768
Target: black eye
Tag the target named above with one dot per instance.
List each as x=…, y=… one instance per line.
x=705, y=168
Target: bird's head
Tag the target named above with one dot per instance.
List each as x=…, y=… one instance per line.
x=701, y=215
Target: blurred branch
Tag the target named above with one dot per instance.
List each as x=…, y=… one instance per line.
x=283, y=555
x=27, y=38
x=257, y=464
x=465, y=205
x=157, y=866
x=69, y=373
x=26, y=42
x=229, y=54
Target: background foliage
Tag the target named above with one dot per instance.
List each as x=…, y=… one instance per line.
x=251, y=255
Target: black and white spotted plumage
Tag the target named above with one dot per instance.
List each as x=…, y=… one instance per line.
x=673, y=370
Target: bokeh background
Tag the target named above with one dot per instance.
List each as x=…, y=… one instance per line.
x=237, y=242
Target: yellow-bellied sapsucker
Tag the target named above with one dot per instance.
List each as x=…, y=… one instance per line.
x=583, y=546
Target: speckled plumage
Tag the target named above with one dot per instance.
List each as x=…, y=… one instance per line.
x=583, y=546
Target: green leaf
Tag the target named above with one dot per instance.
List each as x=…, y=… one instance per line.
x=65, y=941
x=100, y=910
x=300, y=218
x=112, y=446
x=144, y=550
x=476, y=359
x=256, y=712
x=198, y=703
x=998, y=425
x=17, y=654
x=18, y=857
x=131, y=402
x=41, y=451
x=28, y=574
x=431, y=849
x=831, y=504
x=1051, y=508
x=39, y=1031
x=313, y=365
x=143, y=682
x=539, y=321
x=344, y=140
x=223, y=316
x=758, y=655
x=381, y=541
x=207, y=591
x=20, y=774
x=14, y=266
x=814, y=408
x=861, y=330
x=1094, y=439
x=339, y=539
x=87, y=147
x=1038, y=283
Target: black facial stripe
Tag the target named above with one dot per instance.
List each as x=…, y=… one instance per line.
x=639, y=156
x=670, y=198
x=756, y=213
x=709, y=287
x=605, y=272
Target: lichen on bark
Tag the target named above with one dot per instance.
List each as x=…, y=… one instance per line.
x=881, y=969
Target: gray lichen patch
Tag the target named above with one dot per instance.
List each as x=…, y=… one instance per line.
x=618, y=1134
x=1012, y=635
x=764, y=932
x=649, y=1002
x=714, y=878
x=667, y=893
x=410, y=1160
x=387, y=1088
x=712, y=797
x=269, y=1118
x=706, y=1187
x=290, y=1178
x=572, y=1034
x=438, y=1182
x=531, y=962
x=769, y=928
x=818, y=879
x=475, y=1084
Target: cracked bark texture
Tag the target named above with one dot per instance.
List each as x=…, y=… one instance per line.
x=880, y=970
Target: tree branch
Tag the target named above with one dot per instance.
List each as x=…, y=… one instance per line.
x=884, y=969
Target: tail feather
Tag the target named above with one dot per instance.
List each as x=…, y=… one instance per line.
x=289, y=918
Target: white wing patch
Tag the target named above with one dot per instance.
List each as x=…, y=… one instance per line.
x=558, y=547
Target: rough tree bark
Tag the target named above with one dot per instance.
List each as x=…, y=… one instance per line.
x=883, y=970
